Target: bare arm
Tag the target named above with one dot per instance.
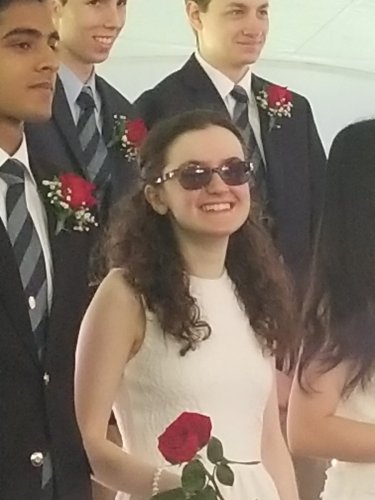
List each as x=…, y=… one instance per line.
x=111, y=332
x=275, y=455
x=313, y=428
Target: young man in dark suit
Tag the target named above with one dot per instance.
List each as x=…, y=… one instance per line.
x=79, y=135
x=43, y=284
x=285, y=150
x=288, y=154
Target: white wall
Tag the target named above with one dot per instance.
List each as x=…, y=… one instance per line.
x=338, y=96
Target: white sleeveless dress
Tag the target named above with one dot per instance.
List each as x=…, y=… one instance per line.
x=227, y=378
x=353, y=481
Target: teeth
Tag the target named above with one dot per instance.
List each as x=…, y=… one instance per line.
x=106, y=40
x=216, y=207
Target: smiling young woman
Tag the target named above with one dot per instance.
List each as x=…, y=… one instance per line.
x=189, y=318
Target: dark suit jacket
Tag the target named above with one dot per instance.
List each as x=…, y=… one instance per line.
x=36, y=402
x=294, y=156
x=56, y=142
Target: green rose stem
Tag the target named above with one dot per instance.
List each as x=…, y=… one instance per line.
x=211, y=477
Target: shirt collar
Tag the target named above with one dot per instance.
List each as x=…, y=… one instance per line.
x=20, y=155
x=223, y=84
x=73, y=85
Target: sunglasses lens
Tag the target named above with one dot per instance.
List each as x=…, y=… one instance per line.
x=236, y=173
x=195, y=177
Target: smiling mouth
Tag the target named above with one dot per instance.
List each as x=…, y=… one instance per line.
x=106, y=41
x=217, y=207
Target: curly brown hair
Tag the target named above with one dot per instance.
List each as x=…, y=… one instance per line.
x=143, y=244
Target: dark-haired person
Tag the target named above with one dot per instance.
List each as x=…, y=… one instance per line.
x=43, y=285
x=169, y=330
x=332, y=409
x=79, y=136
x=289, y=156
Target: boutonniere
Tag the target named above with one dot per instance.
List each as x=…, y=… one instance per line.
x=72, y=200
x=277, y=101
x=129, y=135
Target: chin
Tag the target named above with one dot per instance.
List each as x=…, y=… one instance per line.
x=39, y=115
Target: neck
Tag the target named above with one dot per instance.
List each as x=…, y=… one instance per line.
x=11, y=132
x=205, y=258
x=234, y=73
x=81, y=69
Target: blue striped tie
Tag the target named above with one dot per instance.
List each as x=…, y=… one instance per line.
x=27, y=250
x=93, y=147
x=241, y=120
x=31, y=264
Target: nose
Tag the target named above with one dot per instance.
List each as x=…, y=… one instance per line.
x=255, y=26
x=114, y=16
x=216, y=185
x=49, y=60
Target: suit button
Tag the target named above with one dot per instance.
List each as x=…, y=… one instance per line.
x=46, y=378
x=37, y=459
x=32, y=302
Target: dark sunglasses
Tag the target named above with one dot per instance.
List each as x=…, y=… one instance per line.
x=193, y=176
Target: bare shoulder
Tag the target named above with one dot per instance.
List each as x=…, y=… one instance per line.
x=115, y=290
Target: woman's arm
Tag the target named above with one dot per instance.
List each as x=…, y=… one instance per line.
x=275, y=455
x=313, y=428
x=111, y=332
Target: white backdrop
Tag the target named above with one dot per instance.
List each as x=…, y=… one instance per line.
x=338, y=96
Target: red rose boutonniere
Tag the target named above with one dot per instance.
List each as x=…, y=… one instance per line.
x=129, y=134
x=181, y=443
x=71, y=197
x=277, y=101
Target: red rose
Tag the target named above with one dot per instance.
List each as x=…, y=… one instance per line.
x=78, y=189
x=277, y=94
x=136, y=131
x=184, y=437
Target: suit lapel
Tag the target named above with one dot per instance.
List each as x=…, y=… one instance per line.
x=12, y=295
x=107, y=110
x=274, y=151
x=63, y=117
x=205, y=94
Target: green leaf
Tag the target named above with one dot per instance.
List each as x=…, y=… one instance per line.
x=207, y=494
x=215, y=453
x=176, y=494
x=225, y=475
x=193, y=476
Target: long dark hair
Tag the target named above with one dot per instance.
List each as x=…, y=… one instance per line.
x=340, y=307
x=143, y=244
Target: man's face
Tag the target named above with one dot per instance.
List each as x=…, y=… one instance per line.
x=231, y=32
x=89, y=28
x=28, y=42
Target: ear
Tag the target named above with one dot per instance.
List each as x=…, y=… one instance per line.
x=194, y=15
x=57, y=8
x=154, y=196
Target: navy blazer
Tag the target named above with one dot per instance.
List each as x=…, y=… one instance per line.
x=36, y=402
x=56, y=141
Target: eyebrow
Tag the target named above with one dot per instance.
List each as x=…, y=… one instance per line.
x=30, y=32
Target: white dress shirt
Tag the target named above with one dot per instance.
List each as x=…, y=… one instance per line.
x=34, y=206
x=224, y=86
x=73, y=87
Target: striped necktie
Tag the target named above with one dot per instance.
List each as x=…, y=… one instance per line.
x=27, y=250
x=241, y=120
x=31, y=264
x=93, y=147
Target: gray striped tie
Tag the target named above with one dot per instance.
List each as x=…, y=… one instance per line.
x=241, y=120
x=27, y=250
x=31, y=264
x=93, y=147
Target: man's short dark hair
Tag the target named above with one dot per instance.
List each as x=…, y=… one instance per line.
x=4, y=4
x=202, y=4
